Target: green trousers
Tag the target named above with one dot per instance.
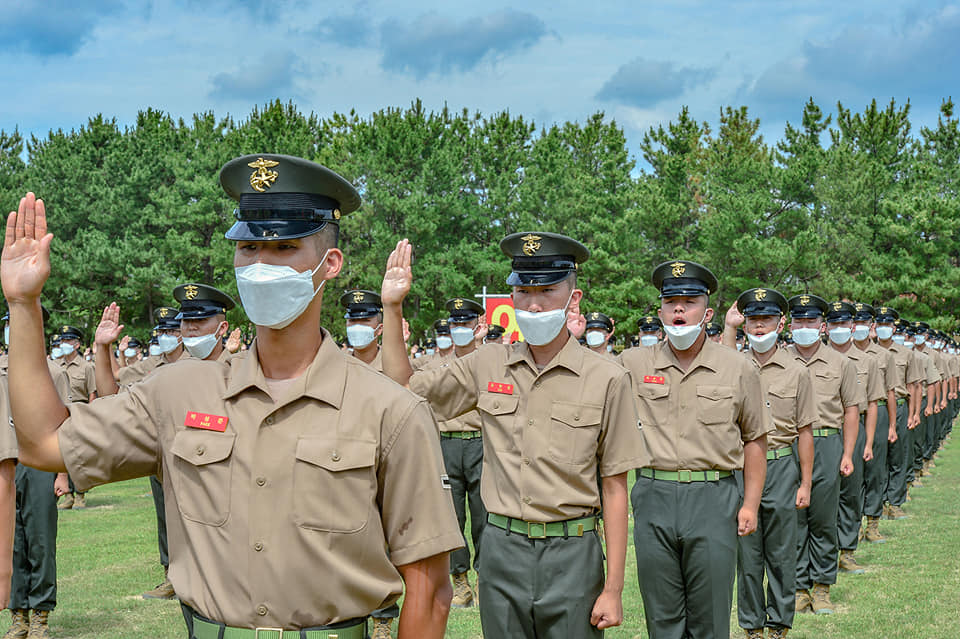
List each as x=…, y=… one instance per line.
x=875, y=471
x=157, y=489
x=896, y=492
x=34, y=582
x=852, y=491
x=770, y=551
x=914, y=451
x=539, y=588
x=817, y=545
x=463, y=459
x=685, y=537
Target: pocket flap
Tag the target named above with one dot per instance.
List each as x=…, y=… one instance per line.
x=202, y=447
x=576, y=415
x=710, y=391
x=652, y=391
x=336, y=453
x=783, y=392
x=497, y=404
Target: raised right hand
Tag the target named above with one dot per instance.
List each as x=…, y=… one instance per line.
x=25, y=265
x=398, y=275
x=734, y=318
x=109, y=327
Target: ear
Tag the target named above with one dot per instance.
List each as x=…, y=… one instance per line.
x=223, y=325
x=334, y=262
x=708, y=315
x=575, y=298
x=378, y=330
x=783, y=321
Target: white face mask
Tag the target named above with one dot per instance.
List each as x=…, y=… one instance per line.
x=201, y=347
x=595, y=338
x=360, y=336
x=430, y=351
x=908, y=344
x=683, y=337
x=56, y=352
x=919, y=340
x=806, y=336
x=648, y=340
x=762, y=343
x=884, y=332
x=155, y=349
x=417, y=355
x=87, y=357
x=542, y=328
x=897, y=339
x=66, y=349
x=462, y=335
x=936, y=346
x=444, y=342
x=168, y=343
x=129, y=352
x=6, y=335
x=861, y=332
x=273, y=296
x=840, y=335
x=609, y=348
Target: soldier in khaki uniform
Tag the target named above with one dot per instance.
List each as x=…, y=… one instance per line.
x=839, y=395
x=83, y=388
x=31, y=592
x=928, y=404
x=494, y=335
x=909, y=374
x=789, y=393
x=714, y=332
x=840, y=323
x=303, y=489
x=555, y=417
x=441, y=330
x=651, y=330
x=702, y=416
x=875, y=472
x=936, y=341
x=599, y=333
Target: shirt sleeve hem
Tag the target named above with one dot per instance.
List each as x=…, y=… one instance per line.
x=427, y=548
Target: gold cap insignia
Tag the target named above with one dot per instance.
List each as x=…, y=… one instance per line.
x=263, y=178
x=531, y=244
x=458, y=303
x=859, y=306
x=648, y=319
x=678, y=268
x=804, y=300
x=443, y=322
x=837, y=306
x=64, y=329
x=190, y=292
x=357, y=297
x=759, y=294
x=336, y=214
x=594, y=315
x=163, y=312
x=884, y=309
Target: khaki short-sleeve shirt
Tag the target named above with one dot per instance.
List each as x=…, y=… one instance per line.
x=835, y=382
x=868, y=376
x=930, y=373
x=953, y=365
x=789, y=393
x=9, y=449
x=139, y=370
x=83, y=380
x=546, y=433
x=468, y=422
x=289, y=514
x=908, y=366
x=698, y=419
x=887, y=363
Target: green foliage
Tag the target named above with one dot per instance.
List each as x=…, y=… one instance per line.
x=871, y=215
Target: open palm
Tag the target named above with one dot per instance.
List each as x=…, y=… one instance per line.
x=25, y=264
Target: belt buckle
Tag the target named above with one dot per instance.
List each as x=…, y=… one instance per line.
x=257, y=631
x=543, y=528
x=684, y=476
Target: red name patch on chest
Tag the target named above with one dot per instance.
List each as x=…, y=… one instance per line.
x=498, y=387
x=206, y=422
x=653, y=379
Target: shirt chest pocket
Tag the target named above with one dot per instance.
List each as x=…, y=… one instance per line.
x=201, y=475
x=714, y=404
x=783, y=403
x=334, y=483
x=498, y=414
x=653, y=404
x=574, y=432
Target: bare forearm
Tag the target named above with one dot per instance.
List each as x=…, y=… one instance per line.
x=870, y=423
x=729, y=336
x=754, y=471
x=805, y=452
x=395, y=362
x=103, y=369
x=615, y=529
x=426, y=602
x=8, y=513
x=34, y=403
x=851, y=427
x=892, y=409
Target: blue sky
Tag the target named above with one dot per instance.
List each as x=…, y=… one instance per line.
x=638, y=62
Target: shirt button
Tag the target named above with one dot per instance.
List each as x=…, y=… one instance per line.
x=536, y=385
x=261, y=610
x=269, y=420
x=496, y=404
x=526, y=500
x=201, y=450
x=530, y=422
x=258, y=546
x=261, y=481
x=526, y=460
x=335, y=456
x=576, y=418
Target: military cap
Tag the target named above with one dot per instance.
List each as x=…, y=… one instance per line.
x=885, y=314
x=70, y=332
x=741, y=334
x=442, y=326
x=430, y=343
x=361, y=304
x=283, y=197
x=599, y=320
x=133, y=342
x=649, y=324
x=787, y=337
x=494, y=332
x=155, y=335
x=806, y=305
x=908, y=328
x=863, y=312
x=680, y=277
x=754, y=302
x=461, y=309
x=43, y=310
x=840, y=312
x=713, y=328
x=920, y=327
x=542, y=258
x=167, y=318
x=199, y=301
x=55, y=339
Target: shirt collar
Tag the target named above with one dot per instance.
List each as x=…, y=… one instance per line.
x=707, y=357
x=325, y=379
x=779, y=358
x=569, y=357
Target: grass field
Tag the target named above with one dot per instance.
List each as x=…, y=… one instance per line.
x=107, y=555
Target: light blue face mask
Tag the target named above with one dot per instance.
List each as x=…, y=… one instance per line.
x=168, y=343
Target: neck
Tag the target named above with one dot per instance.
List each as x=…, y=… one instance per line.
x=806, y=352
x=368, y=353
x=919, y=347
x=286, y=353
x=843, y=348
x=217, y=350
x=69, y=358
x=885, y=342
x=763, y=358
x=465, y=350
x=862, y=344
x=599, y=349
x=445, y=353
x=685, y=358
x=542, y=355
x=174, y=355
